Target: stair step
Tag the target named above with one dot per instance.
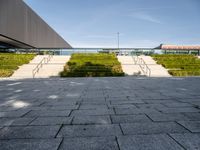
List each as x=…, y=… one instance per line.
x=52, y=68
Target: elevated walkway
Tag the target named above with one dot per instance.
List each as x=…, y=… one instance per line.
x=50, y=69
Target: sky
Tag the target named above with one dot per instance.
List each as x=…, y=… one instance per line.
x=141, y=23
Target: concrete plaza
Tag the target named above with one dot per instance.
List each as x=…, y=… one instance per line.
x=124, y=113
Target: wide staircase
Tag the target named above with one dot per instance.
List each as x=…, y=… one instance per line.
x=53, y=68
x=42, y=66
x=142, y=66
x=156, y=69
x=129, y=67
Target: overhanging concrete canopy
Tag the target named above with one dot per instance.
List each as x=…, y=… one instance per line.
x=21, y=27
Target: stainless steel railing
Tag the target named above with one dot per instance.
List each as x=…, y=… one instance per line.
x=144, y=67
x=45, y=60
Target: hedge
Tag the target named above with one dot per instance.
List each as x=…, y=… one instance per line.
x=92, y=65
x=9, y=62
x=179, y=65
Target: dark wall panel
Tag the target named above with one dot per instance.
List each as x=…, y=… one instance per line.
x=19, y=22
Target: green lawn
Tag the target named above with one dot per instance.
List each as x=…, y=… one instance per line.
x=180, y=65
x=9, y=62
x=92, y=65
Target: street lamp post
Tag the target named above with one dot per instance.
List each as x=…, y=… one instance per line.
x=118, y=39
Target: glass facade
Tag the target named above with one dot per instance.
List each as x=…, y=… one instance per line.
x=121, y=51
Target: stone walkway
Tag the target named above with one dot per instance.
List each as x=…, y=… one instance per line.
x=100, y=114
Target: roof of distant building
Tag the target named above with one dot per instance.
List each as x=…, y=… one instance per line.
x=179, y=47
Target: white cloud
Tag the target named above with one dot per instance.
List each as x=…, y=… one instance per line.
x=145, y=17
x=152, y=8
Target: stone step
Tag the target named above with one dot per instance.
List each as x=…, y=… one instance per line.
x=128, y=66
x=52, y=68
x=156, y=69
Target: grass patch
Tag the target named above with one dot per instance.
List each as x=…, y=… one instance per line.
x=92, y=65
x=9, y=62
x=179, y=65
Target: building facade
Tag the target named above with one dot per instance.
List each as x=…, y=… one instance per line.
x=21, y=27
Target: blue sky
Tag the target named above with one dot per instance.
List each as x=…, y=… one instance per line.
x=141, y=23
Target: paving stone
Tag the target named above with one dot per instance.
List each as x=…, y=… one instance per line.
x=150, y=95
x=152, y=128
x=117, y=98
x=89, y=94
x=39, y=108
x=188, y=141
x=15, y=121
x=18, y=113
x=193, y=126
x=8, y=108
x=122, y=106
x=129, y=118
x=197, y=103
x=148, y=142
x=90, y=106
x=150, y=106
x=192, y=100
x=89, y=130
x=30, y=144
x=68, y=107
x=26, y=132
x=89, y=143
x=177, y=104
x=94, y=102
x=51, y=121
x=193, y=116
x=168, y=117
x=116, y=95
x=95, y=98
x=157, y=101
x=66, y=103
x=92, y=112
x=126, y=102
x=54, y=108
x=48, y=113
x=123, y=111
x=91, y=120
x=178, y=110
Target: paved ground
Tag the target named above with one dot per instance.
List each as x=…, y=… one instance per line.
x=100, y=114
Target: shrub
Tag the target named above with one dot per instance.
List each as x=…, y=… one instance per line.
x=9, y=62
x=179, y=65
x=92, y=65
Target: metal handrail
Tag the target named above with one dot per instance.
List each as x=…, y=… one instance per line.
x=144, y=67
x=45, y=60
